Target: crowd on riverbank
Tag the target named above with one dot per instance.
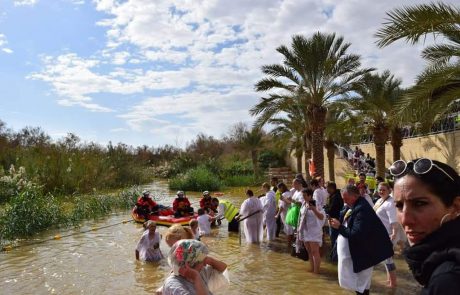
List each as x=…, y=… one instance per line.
x=363, y=231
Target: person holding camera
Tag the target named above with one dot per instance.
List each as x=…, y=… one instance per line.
x=363, y=242
x=310, y=229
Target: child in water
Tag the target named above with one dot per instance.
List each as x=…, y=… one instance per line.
x=204, y=222
x=148, y=247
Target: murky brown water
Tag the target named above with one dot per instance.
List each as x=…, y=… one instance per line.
x=103, y=262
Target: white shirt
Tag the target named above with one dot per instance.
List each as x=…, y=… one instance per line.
x=149, y=248
x=297, y=196
x=386, y=212
x=220, y=211
x=269, y=204
x=204, y=225
x=320, y=195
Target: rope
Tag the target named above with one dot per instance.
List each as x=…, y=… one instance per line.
x=58, y=237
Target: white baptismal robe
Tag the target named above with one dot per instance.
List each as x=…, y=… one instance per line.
x=252, y=226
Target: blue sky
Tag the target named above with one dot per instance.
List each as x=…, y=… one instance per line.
x=160, y=72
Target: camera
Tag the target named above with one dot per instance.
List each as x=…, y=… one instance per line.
x=312, y=202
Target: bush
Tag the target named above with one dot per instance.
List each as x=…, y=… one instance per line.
x=240, y=180
x=269, y=158
x=236, y=168
x=13, y=183
x=197, y=179
x=28, y=213
x=31, y=211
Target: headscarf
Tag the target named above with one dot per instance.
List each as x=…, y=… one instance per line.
x=191, y=252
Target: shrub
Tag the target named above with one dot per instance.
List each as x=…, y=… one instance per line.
x=31, y=211
x=239, y=180
x=28, y=213
x=13, y=183
x=197, y=179
x=269, y=158
x=234, y=168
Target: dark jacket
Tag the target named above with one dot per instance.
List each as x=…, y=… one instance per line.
x=368, y=239
x=334, y=205
x=435, y=261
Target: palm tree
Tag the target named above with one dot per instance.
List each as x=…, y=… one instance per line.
x=320, y=68
x=288, y=110
x=252, y=141
x=288, y=133
x=340, y=126
x=439, y=84
x=376, y=109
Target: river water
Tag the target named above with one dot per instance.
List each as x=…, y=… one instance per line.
x=102, y=261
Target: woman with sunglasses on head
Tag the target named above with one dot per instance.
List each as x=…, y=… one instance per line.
x=427, y=198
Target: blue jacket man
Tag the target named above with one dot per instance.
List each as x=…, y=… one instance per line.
x=368, y=239
x=362, y=243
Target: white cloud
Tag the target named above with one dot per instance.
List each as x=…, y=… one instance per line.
x=24, y=2
x=192, y=64
x=3, y=43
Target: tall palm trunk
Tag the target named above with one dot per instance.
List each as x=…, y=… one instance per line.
x=307, y=151
x=396, y=142
x=380, y=139
x=255, y=163
x=298, y=156
x=330, y=147
x=318, y=125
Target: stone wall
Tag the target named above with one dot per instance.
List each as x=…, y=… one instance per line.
x=444, y=147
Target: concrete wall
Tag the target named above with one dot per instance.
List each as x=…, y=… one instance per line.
x=444, y=147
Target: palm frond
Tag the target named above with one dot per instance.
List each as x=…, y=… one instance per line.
x=413, y=22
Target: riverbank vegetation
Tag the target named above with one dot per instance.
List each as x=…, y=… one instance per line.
x=240, y=158
x=30, y=210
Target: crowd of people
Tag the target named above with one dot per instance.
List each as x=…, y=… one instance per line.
x=364, y=226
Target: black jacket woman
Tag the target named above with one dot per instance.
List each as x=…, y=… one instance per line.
x=427, y=198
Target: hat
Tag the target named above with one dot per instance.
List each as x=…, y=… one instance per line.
x=206, y=193
x=180, y=193
x=186, y=251
x=145, y=192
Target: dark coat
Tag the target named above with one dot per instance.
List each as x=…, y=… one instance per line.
x=335, y=205
x=368, y=239
x=435, y=261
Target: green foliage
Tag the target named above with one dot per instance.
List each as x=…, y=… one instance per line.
x=270, y=158
x=235, y=168
x=28, y=213
x=67, y=167
x=196, y=179
x=31, y=211
x=240, y=180
x=13, y=182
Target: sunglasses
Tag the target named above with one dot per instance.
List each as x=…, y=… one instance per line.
x=421, y=166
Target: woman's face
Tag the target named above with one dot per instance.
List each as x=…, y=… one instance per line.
x=419, y=211
x=384, y=192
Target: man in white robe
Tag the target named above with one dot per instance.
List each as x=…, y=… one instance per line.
x=269, y=209
x=252, y=225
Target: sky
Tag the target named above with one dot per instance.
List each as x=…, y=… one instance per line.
x=153, y=72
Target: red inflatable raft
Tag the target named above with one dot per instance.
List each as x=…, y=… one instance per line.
x=165, y=218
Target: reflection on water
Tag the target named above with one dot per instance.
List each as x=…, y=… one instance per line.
x=103, y=262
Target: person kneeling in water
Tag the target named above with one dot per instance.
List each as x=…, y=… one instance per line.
x=148, y=247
